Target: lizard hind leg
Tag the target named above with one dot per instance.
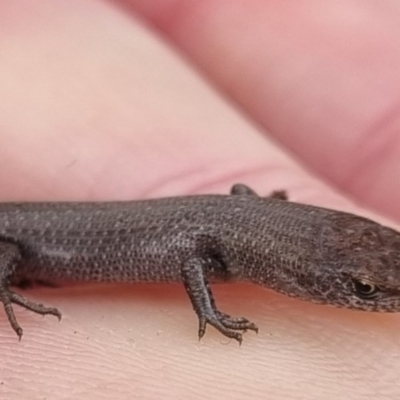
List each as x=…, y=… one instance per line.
x=8, y=297
x=197, y=287
x=9, y=257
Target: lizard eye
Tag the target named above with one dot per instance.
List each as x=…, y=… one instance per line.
x=365, y=289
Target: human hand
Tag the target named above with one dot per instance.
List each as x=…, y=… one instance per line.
x=96, y=107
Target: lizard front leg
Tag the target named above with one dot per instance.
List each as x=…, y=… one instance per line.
x=242, y=189
x=195, y=281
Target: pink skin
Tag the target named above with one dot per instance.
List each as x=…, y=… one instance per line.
x=96, y=105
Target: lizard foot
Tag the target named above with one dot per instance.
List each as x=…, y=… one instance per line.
x=7, y=297
x=226, y=325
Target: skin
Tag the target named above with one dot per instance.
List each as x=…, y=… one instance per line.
x=98, y=108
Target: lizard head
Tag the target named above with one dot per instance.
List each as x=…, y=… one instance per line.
x=363, y=263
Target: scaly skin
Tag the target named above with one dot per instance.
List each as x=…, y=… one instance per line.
x=312, y=253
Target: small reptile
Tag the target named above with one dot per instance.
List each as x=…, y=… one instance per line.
x=308, y=252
